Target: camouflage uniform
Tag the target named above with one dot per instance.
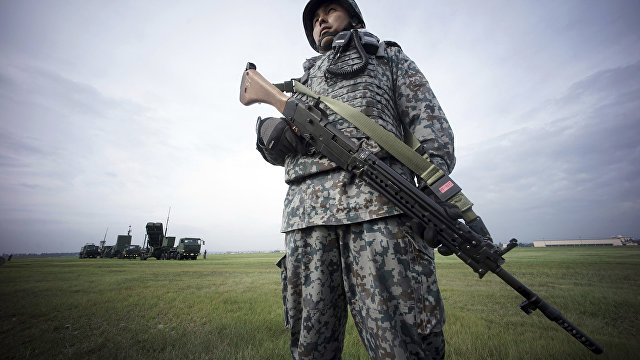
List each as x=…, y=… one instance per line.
x=346, y=244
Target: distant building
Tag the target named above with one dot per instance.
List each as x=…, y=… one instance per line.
x=598, y=242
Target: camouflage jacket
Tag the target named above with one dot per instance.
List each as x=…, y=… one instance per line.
x=393, y=92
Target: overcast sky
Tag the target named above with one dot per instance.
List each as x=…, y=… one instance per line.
x=113, y=111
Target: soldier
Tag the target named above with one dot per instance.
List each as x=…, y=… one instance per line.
x=346, y=245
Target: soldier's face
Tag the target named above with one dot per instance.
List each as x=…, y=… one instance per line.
x=329, y=20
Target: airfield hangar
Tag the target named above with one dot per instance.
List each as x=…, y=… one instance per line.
x=617, y=241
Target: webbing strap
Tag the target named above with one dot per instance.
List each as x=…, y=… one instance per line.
x=420, y=165
x=380, y=135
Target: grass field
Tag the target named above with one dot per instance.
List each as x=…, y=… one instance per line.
x=230, y=307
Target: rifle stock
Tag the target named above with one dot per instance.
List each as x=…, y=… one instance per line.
x=478, y=253
x=256, y=89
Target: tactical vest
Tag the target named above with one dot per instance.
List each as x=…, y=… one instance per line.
x=371, y=92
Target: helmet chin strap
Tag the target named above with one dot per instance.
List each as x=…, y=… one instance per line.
x=325, y=48
x=324, y=36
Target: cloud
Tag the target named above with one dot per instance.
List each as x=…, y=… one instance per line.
x=573, y=164
x=54, y=128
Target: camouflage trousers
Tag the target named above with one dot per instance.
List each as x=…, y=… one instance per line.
x=376, y=269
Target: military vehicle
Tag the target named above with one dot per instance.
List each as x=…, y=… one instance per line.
x=130, y=252
x=105, y=251
x=102, y=248
x=169, y=250
x=122, y=243
x=189, y=248
x=158, y=245
x=152, y=245
x=89, y=250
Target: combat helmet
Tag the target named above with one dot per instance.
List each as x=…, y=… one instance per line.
x=313, y=5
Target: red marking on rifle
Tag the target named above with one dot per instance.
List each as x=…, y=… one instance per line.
x=448, y=185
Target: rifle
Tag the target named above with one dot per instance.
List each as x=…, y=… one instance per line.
x=473, y=249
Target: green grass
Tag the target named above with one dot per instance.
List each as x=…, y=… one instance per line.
x=230, y=307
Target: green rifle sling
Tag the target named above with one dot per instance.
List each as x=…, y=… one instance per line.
x=420, y=165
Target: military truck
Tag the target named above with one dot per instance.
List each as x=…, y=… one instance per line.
x=89, y=250
x=101, y=248
x=122, y=243
x=130, y=252
x=105, y=250
x=158, y=245
x=152, y=246
x=169, y=251
x=189, y=248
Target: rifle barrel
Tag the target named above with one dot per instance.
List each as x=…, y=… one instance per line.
x=534, y=302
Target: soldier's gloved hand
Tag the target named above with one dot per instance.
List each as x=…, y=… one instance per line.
x=425, y=233
x=452, y=211
x=276, y=140
x=429, y=234
x=276, y=134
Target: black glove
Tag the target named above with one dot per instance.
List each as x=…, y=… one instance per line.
x=276, y=140
x=429, y=234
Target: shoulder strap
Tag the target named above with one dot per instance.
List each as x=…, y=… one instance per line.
x=439, y=182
